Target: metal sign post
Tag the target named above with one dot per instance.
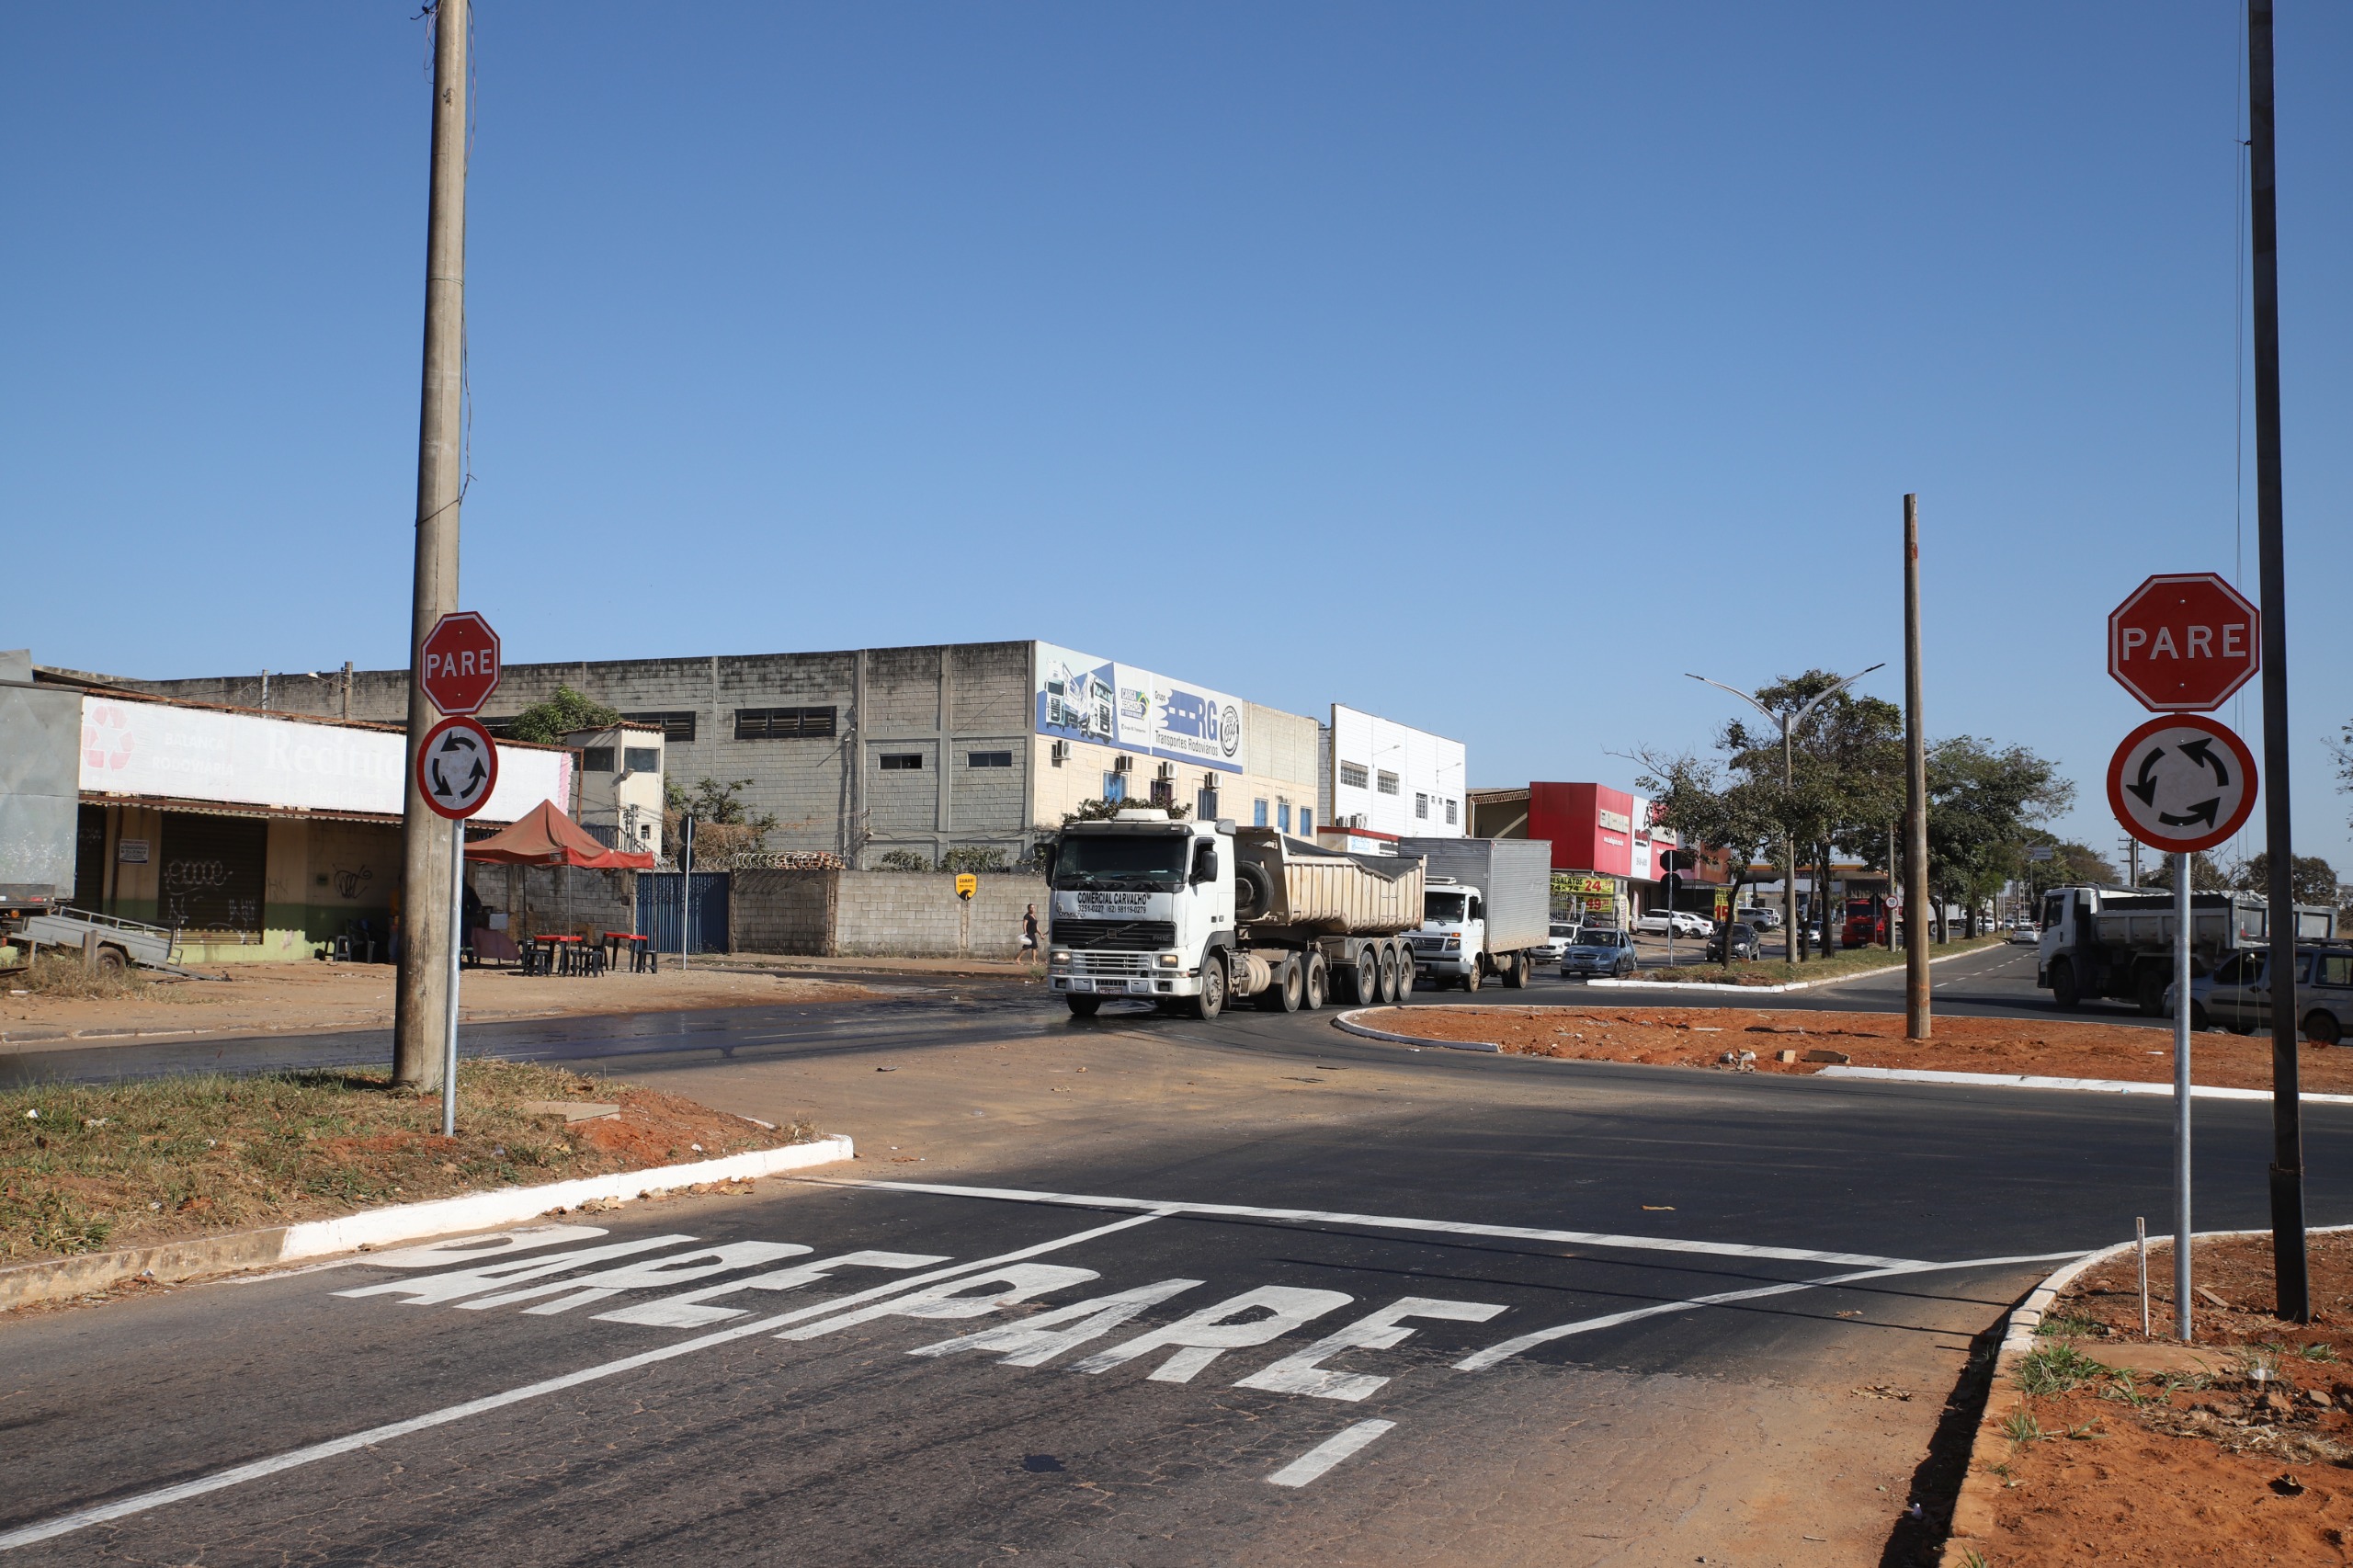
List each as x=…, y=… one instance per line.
x=2182, y=783
x=457, y=946
x=2181, y=1098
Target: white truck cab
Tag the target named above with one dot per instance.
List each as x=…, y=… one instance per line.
x=1453, y=932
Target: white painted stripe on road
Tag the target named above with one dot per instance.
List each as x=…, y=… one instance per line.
x=1478, y=1361
x=1396, y=1222
x=104, y=1513
x=2034, y=1080
x=1327, y=1453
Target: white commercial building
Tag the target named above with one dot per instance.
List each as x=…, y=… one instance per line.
x=1383, y=777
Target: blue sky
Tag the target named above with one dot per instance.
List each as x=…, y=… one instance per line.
x=1484, y=366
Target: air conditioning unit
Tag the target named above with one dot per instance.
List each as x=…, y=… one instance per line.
x=1059, y=753
x=1123, y=763
x=1167, y=771
x=1354, y=821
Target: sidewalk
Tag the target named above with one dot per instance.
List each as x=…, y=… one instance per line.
x=313, y=998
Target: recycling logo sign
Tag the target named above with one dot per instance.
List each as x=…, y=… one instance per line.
x=457, y=767
x=2182, y=783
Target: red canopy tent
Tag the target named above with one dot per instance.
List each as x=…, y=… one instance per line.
x=545, y=837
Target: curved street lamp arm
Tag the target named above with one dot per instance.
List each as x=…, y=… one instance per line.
x=1799, y=717
x=1720, y=685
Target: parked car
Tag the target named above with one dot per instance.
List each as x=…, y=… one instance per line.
x=2237, y=997
x=1746, y=943
x=1563, y=937
x=1759, y=915
x=1598, y=951
x=1682, y=922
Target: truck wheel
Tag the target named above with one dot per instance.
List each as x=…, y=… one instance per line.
x=1084, y=1007
x=2151, y=995
x=1388, y=987
x=1471, y=978
x=1212, y=1001
x=2321, y=1027
x=1284, y=995
x=1515, y=977
x=1365, y=986
x=2062, y=986
x=1254, y=890
x=1312, y=985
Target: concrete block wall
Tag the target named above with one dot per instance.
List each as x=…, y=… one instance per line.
x=917, y=915
x=781, y=912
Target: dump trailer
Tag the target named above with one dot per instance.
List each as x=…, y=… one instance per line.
x=1192, y=916
x=40, y=734
x=1487, y=911
x=2118, y=942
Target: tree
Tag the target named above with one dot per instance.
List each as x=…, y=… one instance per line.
x=728, y=836
x=1104, y=810
x=547, y=721
x=1981, y=800
x=2204, y=875
x=2312, y=882
x=1707, y=813
x=1844, y=781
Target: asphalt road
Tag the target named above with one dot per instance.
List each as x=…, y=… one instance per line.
x=1316, y=1298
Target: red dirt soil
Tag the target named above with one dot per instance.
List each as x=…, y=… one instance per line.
x=2243, y=1470
x=1698, y=1037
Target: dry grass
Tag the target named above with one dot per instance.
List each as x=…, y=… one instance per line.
x=57, y=974
x=86, y=1166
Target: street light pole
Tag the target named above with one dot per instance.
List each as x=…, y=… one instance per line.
x=1789, y=723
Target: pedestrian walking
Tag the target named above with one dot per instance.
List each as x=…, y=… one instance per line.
x=1029, y=934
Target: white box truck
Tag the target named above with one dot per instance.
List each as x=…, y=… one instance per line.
x=1192, y=915
x=1487, y=911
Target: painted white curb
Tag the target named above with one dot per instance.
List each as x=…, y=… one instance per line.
x=1785, y=986
x=2032, y=1081
x=1347, y=1021
x=484, y=1210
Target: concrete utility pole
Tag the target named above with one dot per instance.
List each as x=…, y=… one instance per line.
x=422, y=995
x=1915, y=792
x=2288, y=1258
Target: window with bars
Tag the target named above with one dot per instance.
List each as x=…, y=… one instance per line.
x=676, y=724
x=783, y=723
x=1388, y=783
x=1421, y=805
x=1353, y=775
x=1451, y=807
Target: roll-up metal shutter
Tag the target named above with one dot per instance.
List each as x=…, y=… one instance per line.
x=211, y=874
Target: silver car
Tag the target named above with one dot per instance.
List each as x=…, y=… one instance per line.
x=2237, y=996
x=1599, y=950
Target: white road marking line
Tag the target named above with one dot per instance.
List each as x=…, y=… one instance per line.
x=1395, y=1223
x=104, y=1513
x=1327, y=1453
x=1478, y=1361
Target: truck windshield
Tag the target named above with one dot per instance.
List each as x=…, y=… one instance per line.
x=1141, y=860
x=1442, y=907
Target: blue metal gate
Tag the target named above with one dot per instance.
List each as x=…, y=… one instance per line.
x=657, y=911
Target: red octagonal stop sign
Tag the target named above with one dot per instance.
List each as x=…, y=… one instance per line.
x=2183, y=643
x=461, y=656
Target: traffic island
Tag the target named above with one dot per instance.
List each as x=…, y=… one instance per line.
x=175, y=1177
x=2101, y=1443
x=1759, y=1040
x=1778, y=974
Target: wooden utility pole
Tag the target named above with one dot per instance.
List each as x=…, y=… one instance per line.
x=1915, y=792
x=2287, y=1260
x=421, y=997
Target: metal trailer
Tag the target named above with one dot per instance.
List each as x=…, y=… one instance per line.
x=1301, y=908
x=106, y=941
x=1514, y=877
x=2119, y=943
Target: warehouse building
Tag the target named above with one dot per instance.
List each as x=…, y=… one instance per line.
x=912, y=751
x=1382, y=780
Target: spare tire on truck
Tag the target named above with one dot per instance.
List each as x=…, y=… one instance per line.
x=1254, y=890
